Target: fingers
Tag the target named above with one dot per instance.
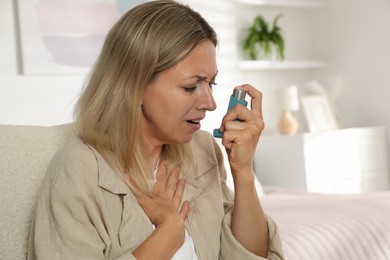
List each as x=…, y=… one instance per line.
x=161, y=177
x=172, y=183
x=179, y=191
x=241, y=136
x=166, y=183
x=166, y=196
x=185, y=209
x=173, y=188
x=250, y=119
x=239, y=112
x=256, y=98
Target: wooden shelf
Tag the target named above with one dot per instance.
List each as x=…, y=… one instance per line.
x=286, y=3
x=282, y=65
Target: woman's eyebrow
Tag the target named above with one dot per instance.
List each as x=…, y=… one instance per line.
x=204, y=78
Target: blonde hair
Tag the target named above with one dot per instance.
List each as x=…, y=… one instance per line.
x=147, y=40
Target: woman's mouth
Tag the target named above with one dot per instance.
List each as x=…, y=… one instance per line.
x=195, y=122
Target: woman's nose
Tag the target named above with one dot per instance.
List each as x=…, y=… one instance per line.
x=206, y=99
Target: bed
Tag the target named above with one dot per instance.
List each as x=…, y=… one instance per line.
x=337, y=227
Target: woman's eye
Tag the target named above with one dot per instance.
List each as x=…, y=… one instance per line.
x=190, y=89
x=211, y=84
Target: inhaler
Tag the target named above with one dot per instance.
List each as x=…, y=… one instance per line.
x=238, y=97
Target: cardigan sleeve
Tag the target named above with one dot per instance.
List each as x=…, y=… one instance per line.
x=230, y=247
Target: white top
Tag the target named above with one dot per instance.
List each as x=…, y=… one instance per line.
x=187, y=250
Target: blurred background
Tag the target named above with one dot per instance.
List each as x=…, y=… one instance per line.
x=338, y=49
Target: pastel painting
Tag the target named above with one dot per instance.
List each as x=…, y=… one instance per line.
x=65, y=36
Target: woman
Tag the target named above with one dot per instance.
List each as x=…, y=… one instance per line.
x=141, y=181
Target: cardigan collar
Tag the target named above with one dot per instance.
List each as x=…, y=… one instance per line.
x=112, y=182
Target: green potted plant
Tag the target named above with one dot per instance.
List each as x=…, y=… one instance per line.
x=262, y=40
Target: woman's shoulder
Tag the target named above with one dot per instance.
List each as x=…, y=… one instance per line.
x=75, y=160
x=75, y=149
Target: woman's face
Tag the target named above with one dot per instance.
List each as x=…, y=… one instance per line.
x=177, y=100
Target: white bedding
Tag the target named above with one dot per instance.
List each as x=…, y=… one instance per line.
x=332, y=227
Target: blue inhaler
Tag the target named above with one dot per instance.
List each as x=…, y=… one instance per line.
x=238, y=97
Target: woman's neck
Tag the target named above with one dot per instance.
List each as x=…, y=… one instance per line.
x=153, y=152
x=154, y=159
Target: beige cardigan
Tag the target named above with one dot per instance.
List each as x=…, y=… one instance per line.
x=85, y=211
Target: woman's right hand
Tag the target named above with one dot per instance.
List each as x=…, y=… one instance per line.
x=164, y=204
x=163, y=208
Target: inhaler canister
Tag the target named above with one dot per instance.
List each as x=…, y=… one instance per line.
x=238, y=97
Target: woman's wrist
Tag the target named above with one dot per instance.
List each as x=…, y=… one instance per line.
x=173, y=228
x=165, y=240
x=243, y=179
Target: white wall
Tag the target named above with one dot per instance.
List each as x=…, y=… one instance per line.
x=35, y=100
x=356, y=37
x=352, y=34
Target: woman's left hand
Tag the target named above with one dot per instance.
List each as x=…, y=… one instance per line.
x=248, y=222
x=240, y=138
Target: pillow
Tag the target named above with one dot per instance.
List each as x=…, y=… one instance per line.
x=25, y=154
